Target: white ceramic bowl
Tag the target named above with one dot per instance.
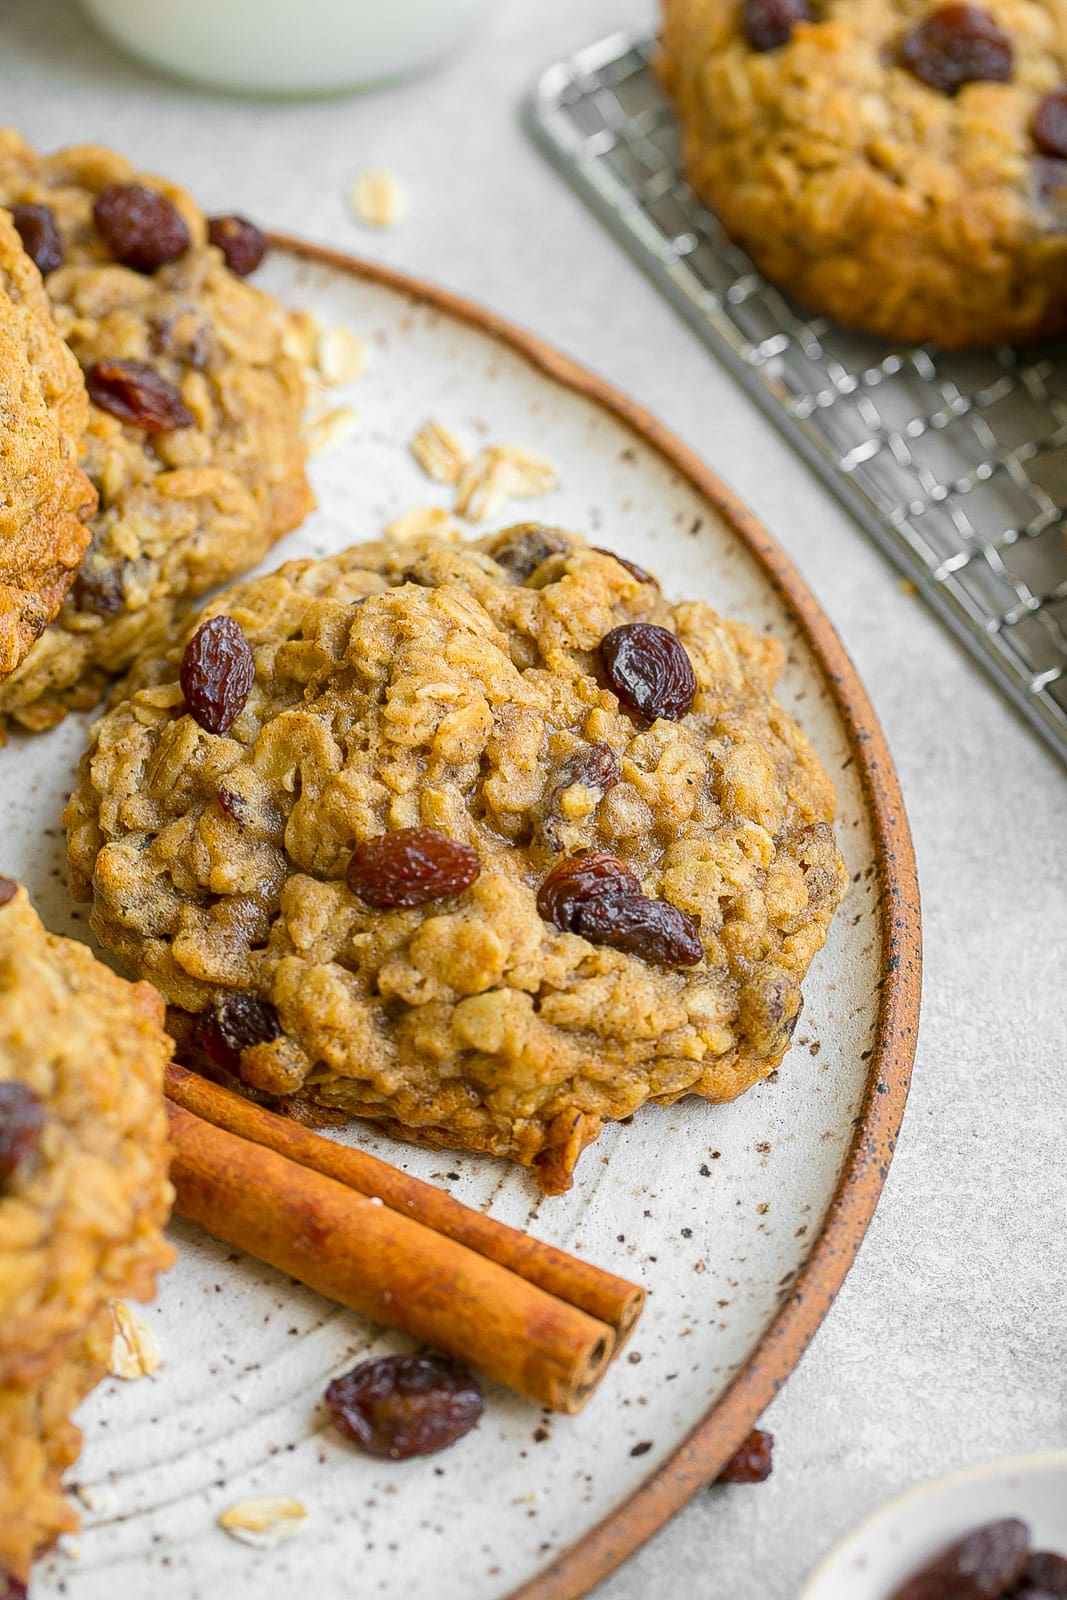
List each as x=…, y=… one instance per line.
x=287, y=46
x=897, y=1540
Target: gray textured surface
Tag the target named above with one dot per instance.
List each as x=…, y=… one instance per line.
x=947, y=1344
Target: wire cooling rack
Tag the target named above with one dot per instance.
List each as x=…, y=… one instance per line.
x=955, y=464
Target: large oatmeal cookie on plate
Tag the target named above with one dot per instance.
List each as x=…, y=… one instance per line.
x=899, y=164
x=45, y=498
x=193, y=490
x=464, y=690
x=84, y=1193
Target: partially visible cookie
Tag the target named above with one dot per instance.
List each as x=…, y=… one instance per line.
x=194, y=433
x=83, y=1149
x=38, y=1442
x=332, y=829
x=84, y=1198
x=898, y=164
x=45, y=498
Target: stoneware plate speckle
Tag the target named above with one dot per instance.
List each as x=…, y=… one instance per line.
x=740, y=1220
x=911, y=1530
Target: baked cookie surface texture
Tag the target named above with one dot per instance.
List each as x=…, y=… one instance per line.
x=84, y=1197
x=343, y=894
x=194, y=431
x=899, y=165
x=45, y=498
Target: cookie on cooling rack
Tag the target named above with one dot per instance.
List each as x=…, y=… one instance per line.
x=898, y=164
x=45, y=498
x=194, y=433
x=84, y=1197
x=488, y=843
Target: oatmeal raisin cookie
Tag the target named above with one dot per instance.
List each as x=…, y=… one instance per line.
x=463, y=690
x=84, y=1197
x=45, y=498
x=186, y=503
x=897, y=164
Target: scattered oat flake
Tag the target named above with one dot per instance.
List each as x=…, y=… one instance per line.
x=340, y=356
x=134, y=1350
x=501, y=472
x=423, y=522
x=94, y=1497
x=264, y=1523
x=326, y=431
x=378, y=198
x=440, y=454
x=70, y=1548
x=301, y=337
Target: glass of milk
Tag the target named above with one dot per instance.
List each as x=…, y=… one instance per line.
x=287, y=46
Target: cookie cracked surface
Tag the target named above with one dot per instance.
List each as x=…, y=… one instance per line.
x=45, y=498
x=458, y=689
x=896, y=207
x=184, y=508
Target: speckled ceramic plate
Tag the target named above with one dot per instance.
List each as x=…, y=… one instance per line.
x=916, y=1526
x=741, y=1220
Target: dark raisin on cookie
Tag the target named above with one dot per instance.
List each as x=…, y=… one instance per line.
x=411, y=867
x=217, y=673
x=8, y=890
x=21, y=1128
x=138, y=395
x=243, y=245
x=767, y=24
x=141, y=227
x=41, y=239
x=649, y=670
x=958, y=44
x=1049, y=125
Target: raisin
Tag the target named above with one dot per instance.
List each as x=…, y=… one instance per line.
x=8, y=890
x=638, y=926
x=766, y=24
x=594, y=766
x=631, y=566
x=217, y=673
x=242, y=244
x=980, y=1566
x=649, y=670
x=404, y=1406
x=1049, y=125
x=1048, y=178
x=521, y=550
x=1044, y=1574
x=102, y=592
x=12, y=1588
x=753, y=1462
x=21, y=1127
x=411, y=867
x=138, y=395
x=235, y=1022
x=577, y=879
x=958, y=44
x=599, y=898
x=234, y=806
x=41, y=239
x=141, y=227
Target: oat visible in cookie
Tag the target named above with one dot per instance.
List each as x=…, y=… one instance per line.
x=450, y=688
x=195, y=440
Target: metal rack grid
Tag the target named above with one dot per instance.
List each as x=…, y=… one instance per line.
x=955, y=464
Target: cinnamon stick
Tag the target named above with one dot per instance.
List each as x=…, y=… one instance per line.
x=385, y=1265
x=601, y=1294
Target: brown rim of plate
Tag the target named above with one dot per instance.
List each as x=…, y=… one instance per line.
x=699, y=1459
